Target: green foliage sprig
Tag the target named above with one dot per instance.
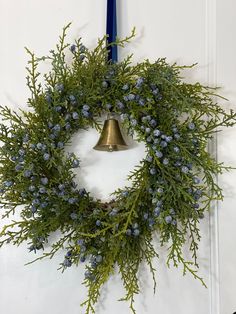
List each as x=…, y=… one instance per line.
x=171, y=188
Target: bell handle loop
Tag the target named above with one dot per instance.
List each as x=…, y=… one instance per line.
x=111, y=115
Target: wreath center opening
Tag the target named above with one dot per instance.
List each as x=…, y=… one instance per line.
x=102, y=173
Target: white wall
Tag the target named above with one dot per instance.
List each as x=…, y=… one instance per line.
x=185, y=31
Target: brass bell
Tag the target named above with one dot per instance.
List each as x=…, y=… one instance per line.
x=111, y=138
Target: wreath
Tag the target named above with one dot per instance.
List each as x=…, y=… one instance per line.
x=172, y=187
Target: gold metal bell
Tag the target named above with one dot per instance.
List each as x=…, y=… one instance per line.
x=111, y=138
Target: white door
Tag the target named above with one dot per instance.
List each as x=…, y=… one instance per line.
x=185, y=31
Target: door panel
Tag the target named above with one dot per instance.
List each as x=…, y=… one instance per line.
x=185, y=31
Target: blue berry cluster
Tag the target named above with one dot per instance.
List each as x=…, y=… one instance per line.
x=37, y=244
x=134, y=230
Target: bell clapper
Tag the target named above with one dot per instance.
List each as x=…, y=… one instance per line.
x=110, y=148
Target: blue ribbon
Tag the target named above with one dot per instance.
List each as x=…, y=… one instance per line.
x=112, y=30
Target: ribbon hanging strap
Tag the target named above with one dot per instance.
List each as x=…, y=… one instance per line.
x=112, y=30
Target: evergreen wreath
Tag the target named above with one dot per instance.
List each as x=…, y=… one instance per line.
x=171, y=188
